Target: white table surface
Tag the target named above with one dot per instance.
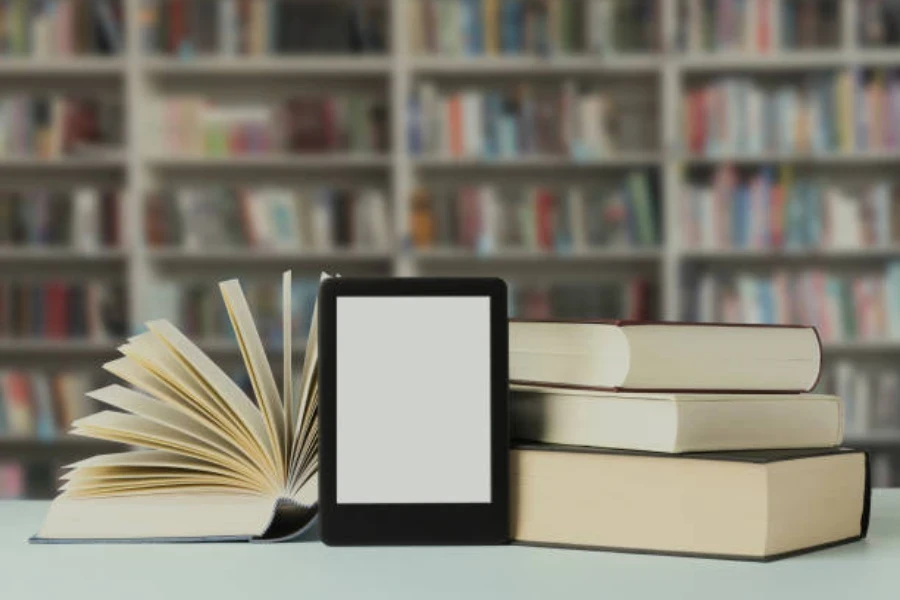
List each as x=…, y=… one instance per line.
x=867, y=570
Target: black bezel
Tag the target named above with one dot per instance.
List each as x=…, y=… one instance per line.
x=390, y=524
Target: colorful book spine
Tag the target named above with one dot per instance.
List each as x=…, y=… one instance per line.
x=843, y=308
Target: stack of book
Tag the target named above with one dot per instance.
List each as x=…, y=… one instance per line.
x=199, y=126
x=257, y=27
x=845, y=308
x=744, y=26
x=83, y=219
x=61, y=28
x=765, y=211
x=319, y=219
x=42, y=405
x=567, y=119
x=490, y=27
x=488, y=217
x=59, y=309
x=679, y=438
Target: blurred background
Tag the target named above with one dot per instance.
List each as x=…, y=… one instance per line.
x=728, y=160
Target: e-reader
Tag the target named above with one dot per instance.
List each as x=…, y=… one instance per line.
x=414, y=431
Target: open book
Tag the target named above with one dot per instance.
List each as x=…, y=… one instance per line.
x=211, y=463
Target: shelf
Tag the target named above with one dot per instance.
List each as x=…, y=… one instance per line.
x=540, y=257
x=536, y=65
x=66, y=447
x=79, y=66
x=220, y=347
x=29, y=256
x=45, y=348
x=250, y=256
x=67, y=163
x=878, y=57
x=873, y=439
x=622, y=161
x=854, y=158
x=279, y=161
x=332, y=66
x=862, y=347
x=776, y=61
x=731, y=256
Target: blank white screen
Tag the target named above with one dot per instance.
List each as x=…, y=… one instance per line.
x=413, y=400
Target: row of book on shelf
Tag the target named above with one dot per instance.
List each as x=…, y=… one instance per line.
x=487, y=218
x=871, y=395
x=61, y=28
x=200, y=313
x=565, y=119
x=774, y=210
x=57, y=310
x=278, y=218
x=852, y=110
x=493, y=27
x=41, y=405
x=844, y=308
x=879, y=23
x=197, y=125
x=749, y=26
x=50, y=126
x=188, y=28
x=83, y=218
x=634, y=299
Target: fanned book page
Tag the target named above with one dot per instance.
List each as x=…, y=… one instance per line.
x=210, y=463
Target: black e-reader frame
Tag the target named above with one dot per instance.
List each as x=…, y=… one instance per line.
x=413, y=524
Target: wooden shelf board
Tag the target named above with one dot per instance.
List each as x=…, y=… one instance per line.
x=775, y=256
x=331, y=66
x=252, y=255
x=834, y=159
x=700, y=62
x=625, y=160
x=874, y=439
x=635, y=64
x=73, y=163
x=79, y=66
x=862, y=347
x=12, y=255
x=52, y=347
x=539, y=257
x=275, y=161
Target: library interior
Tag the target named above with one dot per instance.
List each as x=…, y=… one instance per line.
x=685, y=160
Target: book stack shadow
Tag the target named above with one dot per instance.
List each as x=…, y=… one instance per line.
x=678, y=438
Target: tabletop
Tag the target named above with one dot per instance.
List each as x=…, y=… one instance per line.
x=308, y=569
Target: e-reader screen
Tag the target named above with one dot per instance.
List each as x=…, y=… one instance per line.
x=413, y=399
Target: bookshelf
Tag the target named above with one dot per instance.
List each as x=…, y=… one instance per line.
x=143, y=79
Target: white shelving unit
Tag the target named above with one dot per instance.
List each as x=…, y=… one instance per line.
x=141, y=167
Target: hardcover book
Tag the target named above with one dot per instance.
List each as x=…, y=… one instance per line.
x=752, y=505
x=210, y=462
x=644, y=356
x=675, y=422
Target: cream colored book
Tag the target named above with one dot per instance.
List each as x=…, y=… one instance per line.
x=675, y=422
x=210, y=463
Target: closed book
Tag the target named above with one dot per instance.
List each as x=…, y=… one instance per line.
x=637, y=356
x=673, y=422
x=755, y=505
